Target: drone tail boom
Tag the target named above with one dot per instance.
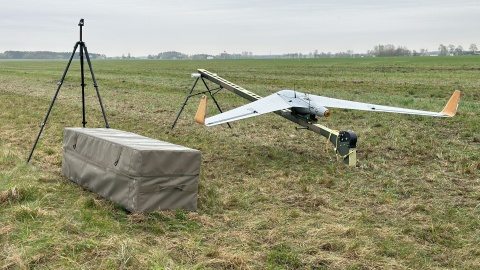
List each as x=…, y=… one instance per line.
x=201, y=111
x=451, y=108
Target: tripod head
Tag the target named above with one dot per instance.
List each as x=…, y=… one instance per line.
x=81, y=23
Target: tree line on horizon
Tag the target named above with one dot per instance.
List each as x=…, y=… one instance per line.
x=381, y=50
x=391, y=50
x=45, y=55
x=388, y=50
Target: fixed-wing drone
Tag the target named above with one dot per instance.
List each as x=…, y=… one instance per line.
x=309, y=106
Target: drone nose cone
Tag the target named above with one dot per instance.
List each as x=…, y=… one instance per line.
x=326, y=113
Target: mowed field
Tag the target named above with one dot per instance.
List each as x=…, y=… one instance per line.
x=270, y=197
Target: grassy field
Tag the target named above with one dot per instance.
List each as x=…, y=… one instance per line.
x=270, y=197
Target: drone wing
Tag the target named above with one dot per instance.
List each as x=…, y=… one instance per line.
x=448, y=111
x=264, y=105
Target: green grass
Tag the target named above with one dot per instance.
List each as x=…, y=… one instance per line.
x=270, y=197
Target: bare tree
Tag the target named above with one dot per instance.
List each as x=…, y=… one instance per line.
x=473, y=48
x=459, y=50
x=451, y=48
x=443, y=50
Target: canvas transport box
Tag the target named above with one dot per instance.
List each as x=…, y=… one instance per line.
x=141, y=174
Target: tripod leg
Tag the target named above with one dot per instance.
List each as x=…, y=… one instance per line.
x=96, y=86
x=42, y=125
x=82, y=45
x=185, y=103
x=214, y=100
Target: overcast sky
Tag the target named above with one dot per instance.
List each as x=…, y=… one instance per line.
x=142, y=27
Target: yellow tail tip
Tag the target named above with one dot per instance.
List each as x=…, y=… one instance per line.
x=452, y=104
x=201, y=111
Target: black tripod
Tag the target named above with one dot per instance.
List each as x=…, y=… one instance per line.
x=83, y=51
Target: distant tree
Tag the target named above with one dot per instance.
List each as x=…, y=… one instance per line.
x=402, y=51
x=172, y=55
x=423, y=52
x=293, y=55
x=442, y=50
x=451, y=48
x=390, y=50
x=323, y=55
x=246, y=54
x=473, y=48
x=378, y=50
x=459, y=50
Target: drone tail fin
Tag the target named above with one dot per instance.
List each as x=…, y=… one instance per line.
x=201, y=111
x=451, y=108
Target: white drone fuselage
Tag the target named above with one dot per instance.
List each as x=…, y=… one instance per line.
x=302, y=104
